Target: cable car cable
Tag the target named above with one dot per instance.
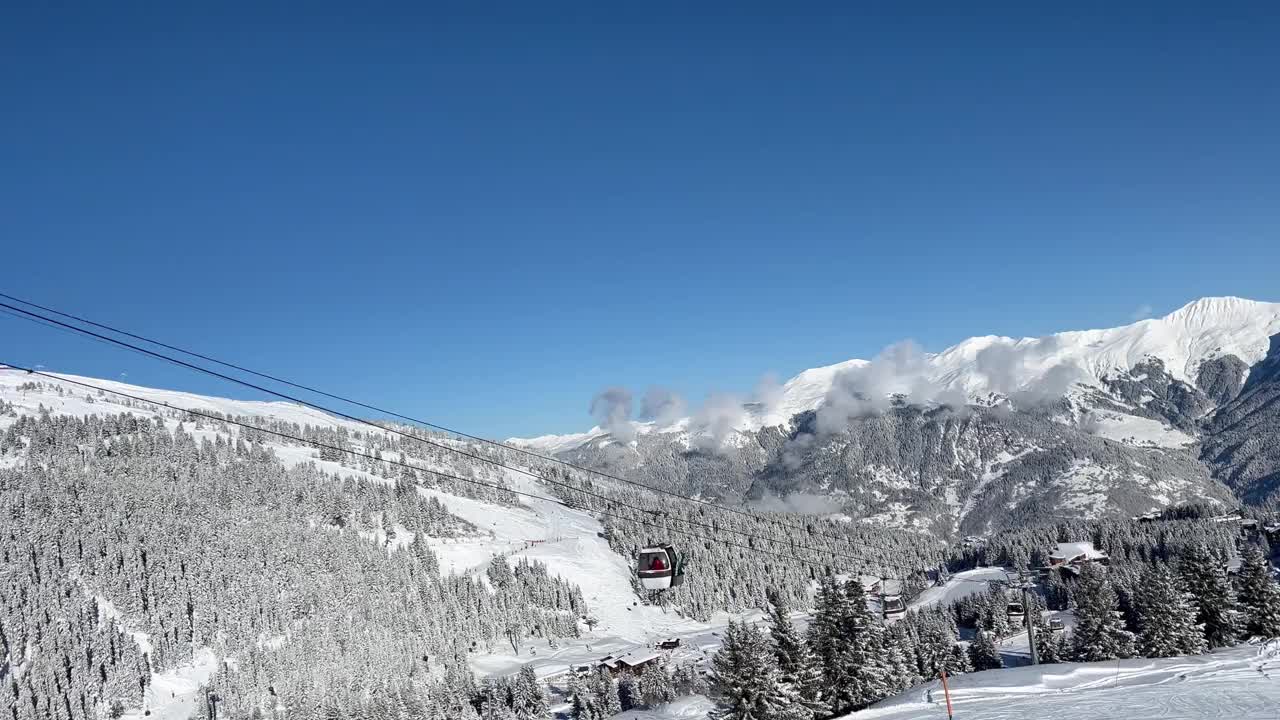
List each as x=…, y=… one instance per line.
x=410, y=419
x=441, y=446
x=321, y=445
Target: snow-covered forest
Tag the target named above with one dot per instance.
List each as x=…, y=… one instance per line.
x=131, y=547
x=1172, y=588
x=139, y=539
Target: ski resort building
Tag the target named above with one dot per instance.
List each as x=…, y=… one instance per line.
x=632, y=662
x=1072, y=556
x=874, y=586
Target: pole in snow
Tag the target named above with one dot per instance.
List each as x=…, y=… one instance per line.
x=946, y=694
x=1031, y=626
x=884, y=612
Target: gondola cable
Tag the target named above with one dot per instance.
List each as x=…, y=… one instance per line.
x=285, y=396
x=389, y=413
x=556, y=501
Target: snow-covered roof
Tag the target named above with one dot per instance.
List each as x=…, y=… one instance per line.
x=639, y=657
x=1073, y=550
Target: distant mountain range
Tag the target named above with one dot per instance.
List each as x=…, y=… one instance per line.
x=992, y=432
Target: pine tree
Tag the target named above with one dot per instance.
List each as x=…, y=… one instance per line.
x=629, y=692
x=582, y=709
x=796, y=664
x=527, y=699
x=983, y=653
x=1206, y=580
x=957, y=661
x=604, y=692
x=827, y=641
x=654, y=686
x=1099, y=633
x=1259, y=595
x=865, y=650
x=746, y=675
x=1050, y=646
x=1166, y=617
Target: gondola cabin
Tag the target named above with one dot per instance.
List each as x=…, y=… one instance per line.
x=659, y=568
x=1016, y=611
x=894, y=607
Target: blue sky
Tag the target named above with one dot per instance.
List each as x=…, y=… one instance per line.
x=484, y=218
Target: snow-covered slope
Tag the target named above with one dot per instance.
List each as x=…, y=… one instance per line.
x=569, y=542
x=982, y=367
x=1241, y=683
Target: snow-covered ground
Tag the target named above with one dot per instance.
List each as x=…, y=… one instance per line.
x=959, y=586
x=1137, y=430
x=1241, y=683
x=686, y=708
x=176, y=694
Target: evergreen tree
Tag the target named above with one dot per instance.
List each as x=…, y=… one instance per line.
x=604, y=694
x=746, y=675
x=861, y=650
x=796, y=664
x=1099, y=633
x=827, y=640
x=582, y=709
x=1206, y=580
x=629, y=692
x=1259, y=595
x=1166, y=618
x=527, y=699
x=983, y=653
x=957, y=661
x=1050, y=646
x=654, y=685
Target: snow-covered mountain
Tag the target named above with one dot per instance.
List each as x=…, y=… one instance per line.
x=1082, y=422
x=990, y=367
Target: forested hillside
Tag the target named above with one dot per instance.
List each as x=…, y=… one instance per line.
x=116, y=525
x=303, y=578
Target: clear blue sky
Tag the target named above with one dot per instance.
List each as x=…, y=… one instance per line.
x=485, y=217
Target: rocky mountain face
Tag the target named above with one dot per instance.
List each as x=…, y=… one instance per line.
x=1242, y=438
x=995, y=433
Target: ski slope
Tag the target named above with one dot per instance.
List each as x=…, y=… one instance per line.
x=1242, y=683
x=958, y=587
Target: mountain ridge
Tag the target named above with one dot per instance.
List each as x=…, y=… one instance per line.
x=994, y=365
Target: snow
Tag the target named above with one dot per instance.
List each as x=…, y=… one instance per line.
x=564, y=539
x=177, y=694
x=1183, y=340
x=1240, y=683
x=1069, y=550
x=1136, y=430
x=686, y=708
x=959, y=586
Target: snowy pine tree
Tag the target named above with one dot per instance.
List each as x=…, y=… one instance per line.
x=527, y=699
x=796, y=664
x=1206, y=580
x=604, y=694
x=1099, y=633
x=1166, y=617
x=1259, y=595
x=654, y=686
x=746, y=676
x=848, y=643
x=983, y=653
x=1050, y=646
